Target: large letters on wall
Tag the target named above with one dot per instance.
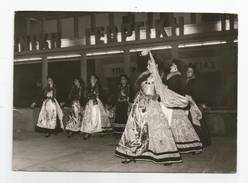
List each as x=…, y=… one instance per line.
x=34, y=42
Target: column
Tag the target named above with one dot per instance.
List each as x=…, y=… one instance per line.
x=231, y=73
x=83, y=67
x=44, y=71
x=126, y=61
x=174, y=51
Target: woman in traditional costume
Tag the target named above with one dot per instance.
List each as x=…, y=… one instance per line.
x=122, y=106
x=148, y=135
x=95, y=117
x=184, y=133
x=74, y=121
x=197, y=121
x=51, y=116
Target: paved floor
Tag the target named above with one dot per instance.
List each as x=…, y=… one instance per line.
x=33, y=152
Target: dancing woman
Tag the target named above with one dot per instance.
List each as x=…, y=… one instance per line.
x=175, y=78
x=95, y=117
x=148, y=134
x=51, y=115
x=121, y=106
x=74, y=122
x=184, y=133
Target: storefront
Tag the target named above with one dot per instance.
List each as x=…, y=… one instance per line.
x=66, y=45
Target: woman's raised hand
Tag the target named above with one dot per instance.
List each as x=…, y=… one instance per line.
x=145, y=52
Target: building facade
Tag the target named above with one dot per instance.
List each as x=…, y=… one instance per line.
x=70, y=44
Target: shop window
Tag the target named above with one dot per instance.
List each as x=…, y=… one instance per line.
x=64, y=74
x=25, y=79
x=209, y=89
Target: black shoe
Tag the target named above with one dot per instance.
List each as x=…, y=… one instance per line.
x=70, y=135
x=56, y=134
x=128, y=161
x=167, y=164
x=48, y=135
x=86, y=137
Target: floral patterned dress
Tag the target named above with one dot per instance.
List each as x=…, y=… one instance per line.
x=148, y=135
x=51, y=115
x=95, y=117
x=74, y=122
x=186, y=138
x=158, y=129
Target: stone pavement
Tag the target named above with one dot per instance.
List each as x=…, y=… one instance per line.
x=33, y=152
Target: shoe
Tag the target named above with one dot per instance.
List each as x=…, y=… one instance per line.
x=117, y=137
x=167, y=164
x=102, y=135
x=56, y=134
x=196, y=153
x=70, y=135
x=128, y=161
x=86, y=137
x=48, y=134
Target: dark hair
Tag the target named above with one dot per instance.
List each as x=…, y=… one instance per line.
x=142, y=77
x=125, y=76
x=131, y=90
x=94, y=76
x=53, y=82
x=192, y=66
x=80, y=80
x=49, y=77
x=181, y=66
x=141, y=62
x=159, y=61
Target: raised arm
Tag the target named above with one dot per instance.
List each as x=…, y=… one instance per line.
x=168, y=97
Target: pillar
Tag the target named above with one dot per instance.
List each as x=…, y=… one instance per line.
x=230, y=73
x=126, y=61
x=83, y=67
x=174, y=51
x=44, y=71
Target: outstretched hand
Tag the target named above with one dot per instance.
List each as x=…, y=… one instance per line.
x=145, y=52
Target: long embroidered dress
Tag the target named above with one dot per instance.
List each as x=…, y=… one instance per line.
x=147, y=135
x=121, y=109
x=74, y=122
x=153, y=128
x=95, y=117
x=51, y=116
x=186, y=138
